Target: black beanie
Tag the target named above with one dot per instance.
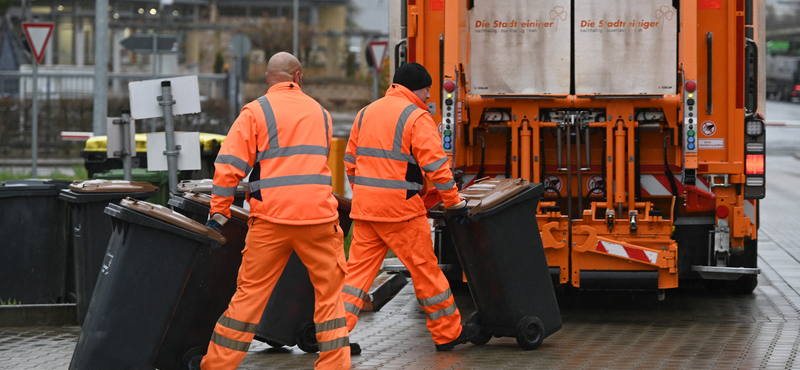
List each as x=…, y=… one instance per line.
x=413, y=76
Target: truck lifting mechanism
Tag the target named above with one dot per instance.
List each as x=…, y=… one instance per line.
x=640, y=118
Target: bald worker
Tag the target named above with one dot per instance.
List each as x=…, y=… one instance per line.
x=284, y=137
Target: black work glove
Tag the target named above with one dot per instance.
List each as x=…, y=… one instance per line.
x=460, y=215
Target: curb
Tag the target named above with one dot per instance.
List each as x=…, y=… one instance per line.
x=38, y=315
x=385, y=291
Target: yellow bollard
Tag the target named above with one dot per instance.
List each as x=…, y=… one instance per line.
x=336, y=164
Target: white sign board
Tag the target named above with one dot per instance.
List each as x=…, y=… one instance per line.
x=38, y=34
x=144, y=97
x=519, y=47
x=378, y=50
x=188, y=159
x=114, y=138
x=625, y=47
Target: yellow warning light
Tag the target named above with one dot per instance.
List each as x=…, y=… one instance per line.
x=449, y=95
x=691, y=96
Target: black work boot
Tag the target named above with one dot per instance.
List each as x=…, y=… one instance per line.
x=468, y=333
x=355, y=349
x=194, y=363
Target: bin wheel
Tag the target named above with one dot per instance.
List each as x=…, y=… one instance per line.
x=191, y=353
x=482, y=337
x=274, y=344
x=306, y=337
x=530, y=332
x=746, y=284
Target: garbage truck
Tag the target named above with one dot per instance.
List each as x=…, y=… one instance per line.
x=643, y=120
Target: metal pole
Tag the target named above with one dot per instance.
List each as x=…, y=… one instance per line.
x=295, y=16
x=155, y=50
x=374, y=84
x=172, y=150
x=127, y=151
x=35, y=121
x=100, y=110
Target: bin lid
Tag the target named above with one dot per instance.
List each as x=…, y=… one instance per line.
x=491, y=192
x=208, y=142
x=111, y=186
x=205, y=186
x=205, y=200
x=137, y=174
x=25, y=187
x=167, y=215
x=344, y=203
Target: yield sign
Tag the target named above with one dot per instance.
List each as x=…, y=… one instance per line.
x=38, y=34
x=378, y=50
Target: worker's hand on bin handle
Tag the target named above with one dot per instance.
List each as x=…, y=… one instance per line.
x=216, y=221
x=460, y=213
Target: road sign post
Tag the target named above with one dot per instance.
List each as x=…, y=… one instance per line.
x=377, y=50
x=38, y=34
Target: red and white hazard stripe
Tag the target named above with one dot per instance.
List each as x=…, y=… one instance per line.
x=626, y=252
x=658, y=185
x=750, y=210
x=783, y=123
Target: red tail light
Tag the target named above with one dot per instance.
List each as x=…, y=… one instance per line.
x=754, y=164
x=797, y=87
x=722, y=211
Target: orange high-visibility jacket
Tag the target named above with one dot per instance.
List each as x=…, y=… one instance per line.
x=391, y=140
x=284, y=137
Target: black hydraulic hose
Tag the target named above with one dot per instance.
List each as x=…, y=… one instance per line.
x=482, y=168
x=588, y=193
x=508, y=153
x=673, y=187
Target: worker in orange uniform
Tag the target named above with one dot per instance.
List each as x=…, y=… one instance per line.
x=392, y=142
x=284, y=137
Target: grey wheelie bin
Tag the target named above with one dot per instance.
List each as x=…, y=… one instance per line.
x=90, y=229
x=33, y=251
x=501, y=251
x=144, y=273
x=205, y=185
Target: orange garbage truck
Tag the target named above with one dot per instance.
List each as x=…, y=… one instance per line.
x=641, y=118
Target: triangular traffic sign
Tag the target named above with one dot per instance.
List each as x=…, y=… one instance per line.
x=38, y=34
x=378, y=50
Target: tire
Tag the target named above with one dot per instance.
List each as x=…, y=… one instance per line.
x=746, y=284
x=530, y=332
x=274, y=344
x=306, y=337
x=482, y=337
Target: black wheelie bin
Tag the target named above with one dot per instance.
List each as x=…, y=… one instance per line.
x=33, y=255
x=141, y=282
x=90, y=229
x=205, y=186
x=501, y=251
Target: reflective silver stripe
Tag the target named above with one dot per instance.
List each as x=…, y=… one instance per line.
x=223, y=191
x=230, y=343
x=388, y=154
x=275, y=182
x=435, y=165
x=386, y=184
x=350, y=178
x=443, y=312
x=237, y=325
x=234, y=161
x=272, y=125
x=334, y=344
x=349, y=307
x=401, y=124
x=325, y=117
x=290, y=151
x=439, y=298
x=361, y=117
x=449, y=185
x=355, y=292
x=349, y=158
x=331, y=324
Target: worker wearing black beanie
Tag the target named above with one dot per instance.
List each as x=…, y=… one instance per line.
x=413, y=76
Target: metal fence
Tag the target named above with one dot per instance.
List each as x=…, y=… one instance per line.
x=66, y=104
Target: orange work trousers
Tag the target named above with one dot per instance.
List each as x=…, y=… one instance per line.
x=411, y=242
x=268, y=247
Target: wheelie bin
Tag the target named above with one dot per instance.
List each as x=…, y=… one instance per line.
x=209, y=288
x=501, y=252
x=158, y=178
x=288, y=318
x=143, y=277
x=205, y=186
x=90, y=229
x=34, y=241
